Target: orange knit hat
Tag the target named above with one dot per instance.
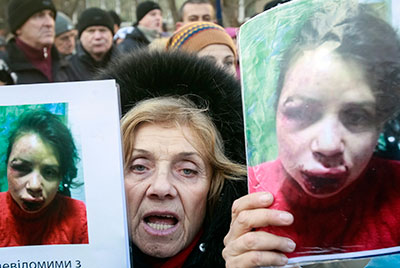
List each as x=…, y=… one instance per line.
x=195, y=36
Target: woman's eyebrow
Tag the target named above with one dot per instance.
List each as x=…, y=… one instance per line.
x=305, y=99
x=136, y=150
x=370, y=105
x=18, y=158
x=189, y=154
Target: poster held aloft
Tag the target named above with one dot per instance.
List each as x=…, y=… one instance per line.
x=320, y=79
x=62, y=176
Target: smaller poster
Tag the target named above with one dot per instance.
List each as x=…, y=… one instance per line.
x=320, y=80
x=62, y=201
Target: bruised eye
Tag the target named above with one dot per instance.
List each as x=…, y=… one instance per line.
x=21, y=167
x=300, y=113
x=357, y=119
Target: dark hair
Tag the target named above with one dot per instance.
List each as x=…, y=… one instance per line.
x=53, y=132
x=116, y=18
x=365, y=39
x=180, y=12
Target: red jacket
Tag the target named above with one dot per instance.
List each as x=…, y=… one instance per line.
x=62, y=222
x=364, y=216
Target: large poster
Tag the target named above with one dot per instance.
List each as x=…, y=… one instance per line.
x=320, y=80
x=62, y=201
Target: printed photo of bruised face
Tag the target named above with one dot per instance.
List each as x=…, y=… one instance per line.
x=33, y=173
x=326, y=122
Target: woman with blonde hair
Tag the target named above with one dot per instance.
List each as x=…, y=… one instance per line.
x=183, y=152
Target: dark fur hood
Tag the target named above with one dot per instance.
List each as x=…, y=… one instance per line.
x=144, y=74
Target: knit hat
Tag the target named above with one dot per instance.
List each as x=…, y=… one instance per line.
x=19, y=11
x=94, y=16
x=143, y=8
x=63, y=24
x=195, y=36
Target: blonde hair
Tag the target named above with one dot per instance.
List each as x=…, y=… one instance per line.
x=179, y=112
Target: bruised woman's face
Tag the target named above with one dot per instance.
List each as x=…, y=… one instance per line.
x=33, y=173
x=326, y=122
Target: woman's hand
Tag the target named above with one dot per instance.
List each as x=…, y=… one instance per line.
x=247, y=248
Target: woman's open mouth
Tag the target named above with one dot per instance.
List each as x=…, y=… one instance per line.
x=160, y=224
x=324, y=183
x=32, y=206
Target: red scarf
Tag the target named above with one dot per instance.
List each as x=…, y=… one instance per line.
x=40, y=58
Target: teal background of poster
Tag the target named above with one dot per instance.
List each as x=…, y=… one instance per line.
x=8, y=117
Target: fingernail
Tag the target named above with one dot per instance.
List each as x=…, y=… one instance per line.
x=284, y=260
x=286, y=217
x=266, y=198
x=291, y=245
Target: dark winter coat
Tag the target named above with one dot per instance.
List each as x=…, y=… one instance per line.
x=136, y=39
x=27, y=73
x=85, y=66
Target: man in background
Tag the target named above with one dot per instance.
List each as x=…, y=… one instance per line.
x=30, y=53
x=117, y=20
x=147, y=28
x=65, y=35
x=195, y=10
x=96, y=48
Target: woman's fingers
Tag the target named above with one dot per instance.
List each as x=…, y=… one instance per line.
x=257, y=259
x=251, y=201
x=260, y=241
x=249, y=219
x=245, y=247
x=256, y=249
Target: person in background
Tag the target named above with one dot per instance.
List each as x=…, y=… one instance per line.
x=30, y=53
x=195, y=10
x=116, y=19
x=95, y=49
x=41, y=156
x=66, y=33
x=234, y=34
x=208, y=40
x=147, y=28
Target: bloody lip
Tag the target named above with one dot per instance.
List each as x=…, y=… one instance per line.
x=160, y=223
x=325, y=182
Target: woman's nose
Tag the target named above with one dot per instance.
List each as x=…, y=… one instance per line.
x=34, y=183
x=328, y=140
x=161, y=185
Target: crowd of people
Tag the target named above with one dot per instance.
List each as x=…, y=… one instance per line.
x=45, y=45
x=184, y=141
